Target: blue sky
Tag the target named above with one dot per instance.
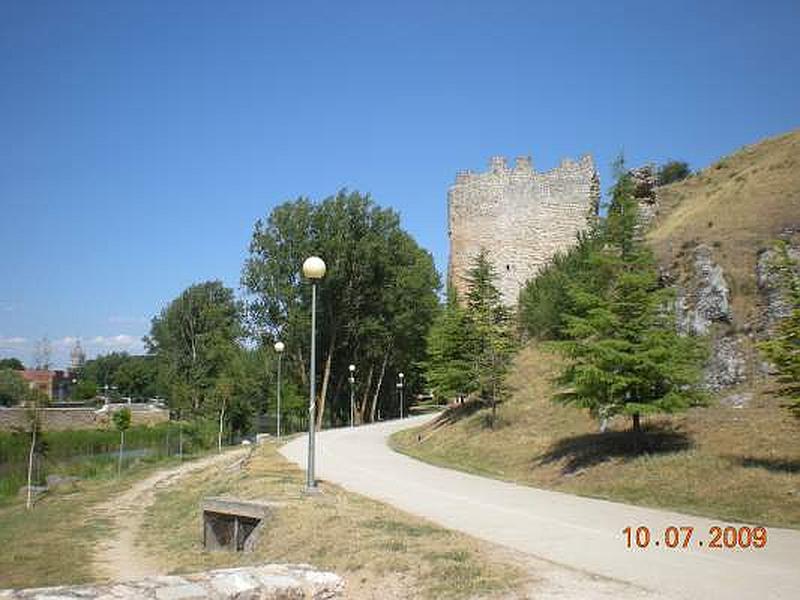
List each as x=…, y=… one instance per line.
x=141, y=140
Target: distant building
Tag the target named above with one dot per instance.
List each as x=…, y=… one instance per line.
x=77, y=357
x=53, y=384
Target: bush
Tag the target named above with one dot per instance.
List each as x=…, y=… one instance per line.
x=672, y=171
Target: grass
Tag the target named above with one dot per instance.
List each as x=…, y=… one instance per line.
x=728, y=463
x=88, y=454
x=381, y=551
x=739, y=205
x=52, y=544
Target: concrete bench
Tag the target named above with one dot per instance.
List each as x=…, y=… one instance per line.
x=233, y=524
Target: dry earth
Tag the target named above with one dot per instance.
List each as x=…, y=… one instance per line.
x=119, y=559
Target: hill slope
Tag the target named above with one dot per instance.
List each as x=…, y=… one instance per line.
x=739, y=205
x=736, y=459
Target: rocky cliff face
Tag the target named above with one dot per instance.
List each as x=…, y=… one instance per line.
x=713, y=234
x=776, y=303
x=703, y=307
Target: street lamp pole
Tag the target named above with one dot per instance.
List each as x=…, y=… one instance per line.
x=400, y=386
x=279, y=348
x=313, y=269
x=352, y=369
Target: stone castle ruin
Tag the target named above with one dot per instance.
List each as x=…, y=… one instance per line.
x=521, y=217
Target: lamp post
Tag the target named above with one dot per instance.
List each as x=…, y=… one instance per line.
x=279, y=348
x=313, y=269
x=352, y=380
x=400, y=386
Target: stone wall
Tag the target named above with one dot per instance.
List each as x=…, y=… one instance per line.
x=520, y=216
x=60, y=419
x=268, y=582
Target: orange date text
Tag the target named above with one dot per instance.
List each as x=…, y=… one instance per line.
x=687, y=537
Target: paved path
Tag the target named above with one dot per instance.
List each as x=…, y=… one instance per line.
x=581, y=533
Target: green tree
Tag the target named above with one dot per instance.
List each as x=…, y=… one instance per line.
x=85, y=389
x=102, y=370
x=625, y=355
x=11, y=363
x=222, y=395
x=376, y=301
x=137, y=377
x=451, y=347
x=545, y=300
x=672, y=171
x=34, y=400
x=122, y=422
x=783, y=347
x=491, y=327
x=194, y=339
x=13, y=388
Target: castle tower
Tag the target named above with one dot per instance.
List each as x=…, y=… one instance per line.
x=521, y=217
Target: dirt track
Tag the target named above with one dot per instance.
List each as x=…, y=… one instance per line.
x=119, y=558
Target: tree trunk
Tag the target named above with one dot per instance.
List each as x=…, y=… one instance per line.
x=337, y=389
x=302, y=370
x=121, y=446
x=365, y=399
x=325, y=379
x=637, y=425
x=29, y=502
x=378, y=385
x=219, y=434
x=494, y=407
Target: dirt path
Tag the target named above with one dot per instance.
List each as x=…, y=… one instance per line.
x=119, y=558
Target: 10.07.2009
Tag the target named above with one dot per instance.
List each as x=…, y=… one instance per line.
x=683, y=537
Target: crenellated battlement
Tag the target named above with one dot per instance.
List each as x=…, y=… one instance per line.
x=522, y=217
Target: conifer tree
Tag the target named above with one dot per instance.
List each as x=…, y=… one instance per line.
x=450, y=366
x=491, y=324
x=783, y=348
x=626, y=356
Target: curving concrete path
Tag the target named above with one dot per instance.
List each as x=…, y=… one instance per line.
x=581, y=533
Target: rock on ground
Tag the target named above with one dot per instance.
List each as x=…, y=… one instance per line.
x=267, y=582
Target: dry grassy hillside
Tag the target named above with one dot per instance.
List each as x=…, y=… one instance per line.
x=739, y=205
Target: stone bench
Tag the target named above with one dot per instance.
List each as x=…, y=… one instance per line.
x=233, y=524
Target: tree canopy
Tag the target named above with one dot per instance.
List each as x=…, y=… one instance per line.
x=672, y=171
x=195, y=339
x=375, y=303
x=12, y=363
x=13, y=388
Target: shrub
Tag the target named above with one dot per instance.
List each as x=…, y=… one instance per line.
x=672, y=171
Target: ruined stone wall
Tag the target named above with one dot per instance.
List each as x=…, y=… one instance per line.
x=61, y=419
x=521, y=217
